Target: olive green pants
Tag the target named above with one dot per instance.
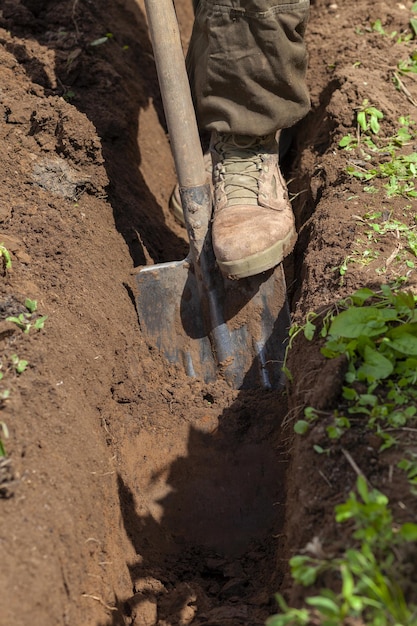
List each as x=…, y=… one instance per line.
x=247, y=63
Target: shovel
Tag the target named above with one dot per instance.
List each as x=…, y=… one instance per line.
x=207, y=324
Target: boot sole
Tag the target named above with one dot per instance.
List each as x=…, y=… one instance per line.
x=260, y=262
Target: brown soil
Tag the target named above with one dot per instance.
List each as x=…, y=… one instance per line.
x=131, y=493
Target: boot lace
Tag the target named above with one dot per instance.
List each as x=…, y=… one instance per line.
x=242, y=160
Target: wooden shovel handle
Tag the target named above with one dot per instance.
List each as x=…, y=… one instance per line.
x=176, y=94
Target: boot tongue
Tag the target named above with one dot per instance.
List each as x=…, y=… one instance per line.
x=240, y=178
x=240, y=167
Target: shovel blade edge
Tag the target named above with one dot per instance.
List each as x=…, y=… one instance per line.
x=237, y=330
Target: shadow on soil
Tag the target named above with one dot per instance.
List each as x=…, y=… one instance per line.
x=111, y=83
x=206, y=529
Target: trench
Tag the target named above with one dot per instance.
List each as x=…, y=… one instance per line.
x=202, y=500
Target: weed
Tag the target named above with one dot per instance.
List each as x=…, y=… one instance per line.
x=368, y=118
x=5, y=435
x=101, y=40
x=377, y=334
x=408, y=66
x=25, y=321
x=69, y=95
x=403, y=37
x=5, y=258
x=409, y=465
x=377, y=231
x=370, y=570
x=308, y=329
x=362, y=257
x=398, y=169
x=19, y=364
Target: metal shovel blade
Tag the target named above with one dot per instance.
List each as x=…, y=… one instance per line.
x=238, y=330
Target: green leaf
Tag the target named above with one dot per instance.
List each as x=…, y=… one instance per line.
x=99, y=42
x=375, y=127
x=19, y=321
x=301, y=427
x=375, y=367
x=365, y=321
x=326, y=605
x=310, y=413
x=362, y=488
x=368, y=399
x=409, y=531
x=320, y=450
x=21, y=366
x=309, y=330
x=348, y=584
x=361, y=295
x=40, y=322
x=349, y=393
x=347, y=140
x=302, y=570
x=31, y=305
x=361, y=118
x=403, y=341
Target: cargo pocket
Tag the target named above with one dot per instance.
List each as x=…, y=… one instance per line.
x=247, y=65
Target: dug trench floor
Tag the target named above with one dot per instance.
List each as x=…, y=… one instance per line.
x=132, y=494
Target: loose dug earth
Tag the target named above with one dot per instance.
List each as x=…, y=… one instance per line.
x=131, y=494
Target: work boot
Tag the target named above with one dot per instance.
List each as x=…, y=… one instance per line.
x=253, y=225
x=174, y=204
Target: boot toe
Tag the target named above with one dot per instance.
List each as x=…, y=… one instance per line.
x=248, y=240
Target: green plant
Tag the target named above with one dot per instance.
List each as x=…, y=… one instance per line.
x=360, y=255
x=377, y=335
x=409, y=65
x=378, y=228
x=368, y=118
x=25, y=321
x=399, y=169
x=5, y=258
x=409, y=465
x=5, y=435
x=367, y=575
x=19, y=364
x=307, y=329
x=69, y=95
x=101, y=40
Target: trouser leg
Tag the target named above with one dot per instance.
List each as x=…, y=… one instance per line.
x=247, y=62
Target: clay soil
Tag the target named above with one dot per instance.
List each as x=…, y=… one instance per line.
x=132, y=494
